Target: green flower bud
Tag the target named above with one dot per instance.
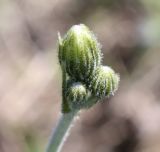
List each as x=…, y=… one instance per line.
x=104, y=82
x=79, y=52
x=77, y=95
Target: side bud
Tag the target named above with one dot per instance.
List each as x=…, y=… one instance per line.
x=104, y=82
x=76, y=95
x=79, y=52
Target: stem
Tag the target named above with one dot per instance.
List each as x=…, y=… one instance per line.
x=60, y=133
x=65, y=106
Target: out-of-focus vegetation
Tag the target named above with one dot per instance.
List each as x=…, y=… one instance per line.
x=30, y=77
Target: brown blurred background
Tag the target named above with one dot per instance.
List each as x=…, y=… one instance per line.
x=30, y=76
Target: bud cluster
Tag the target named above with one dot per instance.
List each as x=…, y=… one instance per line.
x=80, y=59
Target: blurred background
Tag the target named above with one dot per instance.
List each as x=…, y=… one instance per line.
x=30, y=76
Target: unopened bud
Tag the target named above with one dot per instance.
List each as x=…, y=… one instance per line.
x=77, y=95
x=104, y=82
x=79, y=52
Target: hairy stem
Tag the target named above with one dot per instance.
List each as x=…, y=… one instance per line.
x=60, y=132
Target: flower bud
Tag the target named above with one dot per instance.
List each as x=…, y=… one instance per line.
x=79, y=52
x=77, y=95
x=104, y=82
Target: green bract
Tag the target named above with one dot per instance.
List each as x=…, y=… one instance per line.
x=104, y=82
x=79, y=52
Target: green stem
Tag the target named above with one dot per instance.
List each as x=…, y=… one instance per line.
x=59, y=135
x=65, y=106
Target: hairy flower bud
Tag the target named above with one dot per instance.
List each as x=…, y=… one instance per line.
x=77, y=95
x=79, y=52
x=104, y=82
